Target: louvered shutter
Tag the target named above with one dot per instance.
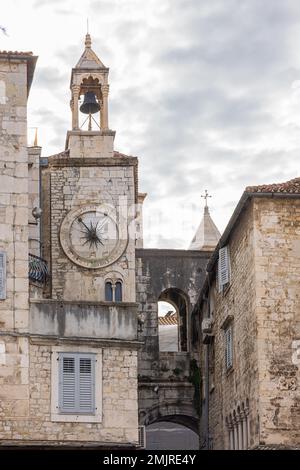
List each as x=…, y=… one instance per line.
x=228, y=348
x=223, y=268
x=67, y=383
x=76, y=383
x=2, y=275
x=86, y=384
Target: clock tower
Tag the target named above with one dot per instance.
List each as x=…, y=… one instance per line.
x=86, y=324
x=93, y=195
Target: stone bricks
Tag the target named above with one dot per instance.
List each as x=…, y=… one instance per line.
x=262, y=305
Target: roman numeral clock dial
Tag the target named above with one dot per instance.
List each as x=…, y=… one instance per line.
x=90, y=237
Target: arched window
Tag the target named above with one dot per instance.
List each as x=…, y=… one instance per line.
x=108, y=291
x=118, y=291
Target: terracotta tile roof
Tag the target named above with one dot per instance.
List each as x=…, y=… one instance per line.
x=168, y=319
x=290, y=187
x=15, y=53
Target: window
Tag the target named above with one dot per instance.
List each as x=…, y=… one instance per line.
x=113, y=291
x=228, y=348
x=108, y=291
x=223, y=268
x=118, y=292
x=2, y=275
x=76, y=383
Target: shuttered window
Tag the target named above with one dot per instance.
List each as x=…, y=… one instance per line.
x=228, y=348
x=223, y=268
x=77, y=383
x=2, y=275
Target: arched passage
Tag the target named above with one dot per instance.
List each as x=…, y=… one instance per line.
x=168, y=434
x=179, y=301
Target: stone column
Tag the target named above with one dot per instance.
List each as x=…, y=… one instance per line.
x=247, y=415
x=104, y=114
x=240, y=432
x=235, y=434
x=231, y=440
x=245, y=430
x=75, y=97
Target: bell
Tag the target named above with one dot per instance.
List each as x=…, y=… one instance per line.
x=90, y=105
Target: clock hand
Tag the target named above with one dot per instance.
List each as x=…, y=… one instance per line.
x=81, y=221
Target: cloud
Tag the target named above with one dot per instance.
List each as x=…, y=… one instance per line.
x=202, y=92
x=46, y=3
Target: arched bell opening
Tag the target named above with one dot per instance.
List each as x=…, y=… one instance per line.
x=90, y=103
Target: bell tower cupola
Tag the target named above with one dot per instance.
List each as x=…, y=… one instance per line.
x=90, y=135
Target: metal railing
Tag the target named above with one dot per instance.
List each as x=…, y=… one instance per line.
x=38, y=269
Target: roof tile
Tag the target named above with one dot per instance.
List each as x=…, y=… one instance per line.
x=289, y=187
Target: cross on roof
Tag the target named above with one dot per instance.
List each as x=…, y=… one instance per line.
x=206, y=196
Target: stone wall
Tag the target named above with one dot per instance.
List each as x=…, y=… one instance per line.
x=263, y=301
x=164, y=386
x=74, y=184
x=14, y=390
x=31, y=418
x=229, y=389
x=277, y=266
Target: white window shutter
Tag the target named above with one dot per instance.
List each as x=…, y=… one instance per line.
x=67, y=383
x=223, y=268
x=86, y=384
x=2, y=275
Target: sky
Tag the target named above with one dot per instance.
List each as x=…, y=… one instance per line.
x=205, y=92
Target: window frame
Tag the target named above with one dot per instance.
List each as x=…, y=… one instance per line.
x=228, y=335
x=76, y=357
x=224, y=268
x=113, y=289
x=73, y=416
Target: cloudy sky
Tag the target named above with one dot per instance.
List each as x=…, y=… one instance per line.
x=205, y=92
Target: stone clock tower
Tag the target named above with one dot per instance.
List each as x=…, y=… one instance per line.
x=84, y=326
x=93, y=192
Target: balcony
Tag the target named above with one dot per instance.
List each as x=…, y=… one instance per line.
x=38, y=270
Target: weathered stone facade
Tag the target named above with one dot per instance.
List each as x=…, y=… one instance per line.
x=255, y=402
x=16, y=72
x=70, y=315
x=78, y=182
x=166, y=388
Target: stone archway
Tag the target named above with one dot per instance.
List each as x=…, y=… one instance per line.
x=179, y=300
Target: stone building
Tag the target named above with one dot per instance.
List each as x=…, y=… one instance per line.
x=250, y=315
x=80, y=363
x=68, y=342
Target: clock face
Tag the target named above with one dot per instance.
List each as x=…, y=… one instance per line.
x=90, y=237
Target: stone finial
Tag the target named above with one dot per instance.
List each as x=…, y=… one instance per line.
x=88, y=41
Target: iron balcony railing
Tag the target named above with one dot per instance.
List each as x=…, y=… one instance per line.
x=38, y=269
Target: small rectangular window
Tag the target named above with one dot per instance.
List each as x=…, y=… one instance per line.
x=77, y=383
x=2, y=275
x=228, y=348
